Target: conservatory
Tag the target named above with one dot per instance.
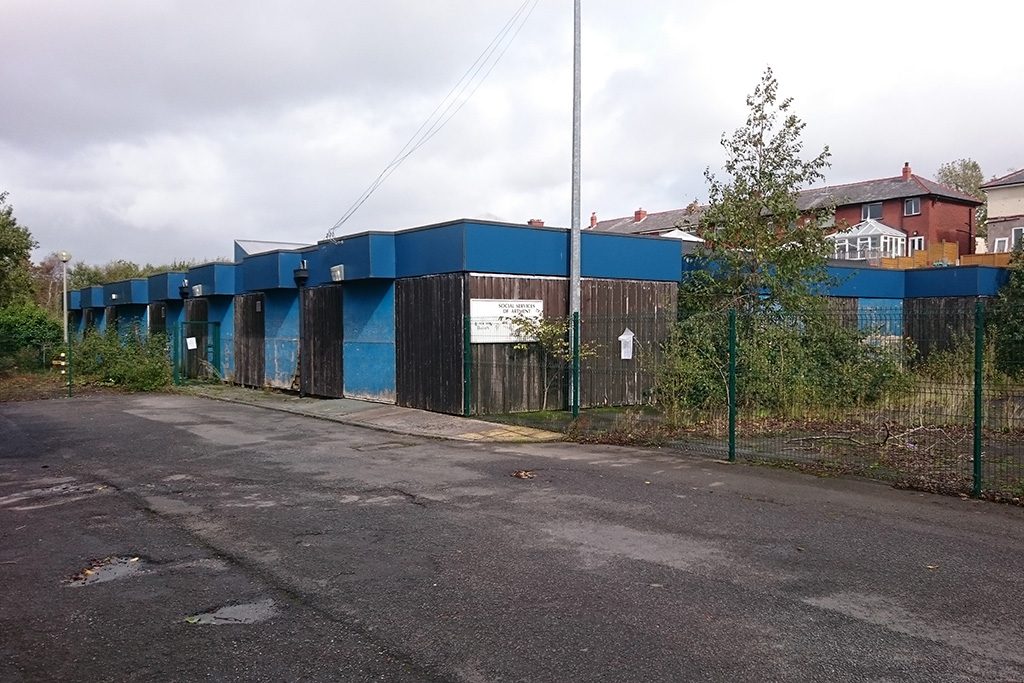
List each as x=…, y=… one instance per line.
x=868, y=239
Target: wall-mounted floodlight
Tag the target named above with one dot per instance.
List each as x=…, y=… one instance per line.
x=197, y=290
x=184, y=289
x=338, y=273
x=113, y=297
x=301, y=274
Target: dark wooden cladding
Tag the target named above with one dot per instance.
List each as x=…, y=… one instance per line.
x=250, y=340
x=509, y=380
x=939, y=323
x=110, y=317
x=844, y=310
x=88, y=319
x=197, y=314
x=428, y=342
x=607, y=308
x=158, y=318
x=321, y=343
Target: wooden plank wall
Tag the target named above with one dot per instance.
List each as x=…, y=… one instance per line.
x=507, y=380
x=845, y=310
x=428, y=342
x=250, y=340
x=321, y=360
x=110, y=317
x=89, y=318
x=939, y=323
x=196, y=311
x=157, y=318
x=607, y=308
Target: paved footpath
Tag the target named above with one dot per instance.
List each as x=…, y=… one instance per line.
x=171, y=538
x=385, y=417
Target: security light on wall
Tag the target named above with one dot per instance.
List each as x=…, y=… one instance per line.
x=113, y=297
x=197, y=290
x=183, y=290
x=338, y=273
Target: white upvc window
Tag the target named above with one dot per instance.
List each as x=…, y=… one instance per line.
x=1002, y=244
x=873, y=210
x=917, y=243
x=912, y=206
x=842, y=248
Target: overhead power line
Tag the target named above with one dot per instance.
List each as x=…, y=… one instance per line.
x=453, y=102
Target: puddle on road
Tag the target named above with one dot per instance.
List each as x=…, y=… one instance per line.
x=248, y=613
x=107, y=569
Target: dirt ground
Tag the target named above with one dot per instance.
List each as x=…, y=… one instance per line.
x=35, y=386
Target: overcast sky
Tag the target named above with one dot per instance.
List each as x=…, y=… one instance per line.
x=152, y=130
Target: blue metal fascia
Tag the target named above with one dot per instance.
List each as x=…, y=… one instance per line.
x=516, y=250
x=955, y=281
x=630, y=257
x=74, y=300
x=428, y=251
x=216, y=278
x=874, y=283
x=164, y=286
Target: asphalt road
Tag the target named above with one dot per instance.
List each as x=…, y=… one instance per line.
x=342, y=553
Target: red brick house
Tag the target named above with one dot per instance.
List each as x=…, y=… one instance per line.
x=927, y=212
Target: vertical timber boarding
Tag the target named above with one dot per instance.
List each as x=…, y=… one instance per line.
x=938, y=323
x=157, y=318
x=607, y=307
x=250, y=340
x=110, y=317
x=507, y=380
x=197, y=314
x=321, y=369
x=844, y=309
x=429, y=314
x=88, y=319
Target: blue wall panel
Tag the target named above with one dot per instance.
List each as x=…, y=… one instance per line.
x=437, y=250
x=281, y=324
x=74, y=300
x=630, y=258
x=369, y=340
x=959, y=281
x=222, y=310
x=164, y=286
x=516, y=250
x=871, y=283
x=216, y=278
x=882, y=316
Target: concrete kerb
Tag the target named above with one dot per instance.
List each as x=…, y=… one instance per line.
x=383, y=417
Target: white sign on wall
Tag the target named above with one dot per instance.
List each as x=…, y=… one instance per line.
x=626, y=344
x=190, y=343
x=491, y=319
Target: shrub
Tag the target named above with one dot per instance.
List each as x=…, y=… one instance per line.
x=27, y=327
x=129, y=360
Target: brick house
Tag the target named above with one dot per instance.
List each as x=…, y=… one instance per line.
x=925, y=211
x=1005, y=212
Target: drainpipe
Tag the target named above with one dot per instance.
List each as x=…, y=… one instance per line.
x=301, y=277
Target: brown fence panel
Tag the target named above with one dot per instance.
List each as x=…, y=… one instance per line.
x=157, y=318
x=428, y=342
x=250, y=340
x=321, y=370
x=938, y=323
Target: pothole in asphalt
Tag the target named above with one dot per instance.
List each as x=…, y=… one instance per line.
x=107, y=569
x=64, y=492
x=248, y=613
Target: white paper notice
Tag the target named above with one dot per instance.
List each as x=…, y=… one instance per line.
x=190, y=343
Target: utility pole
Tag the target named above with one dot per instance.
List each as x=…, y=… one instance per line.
x=574, y=236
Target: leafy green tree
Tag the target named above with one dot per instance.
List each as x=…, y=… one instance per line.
x=762, y=251
x=1007, y=320
x=26, y=326
x=16, y=245
x=964, y=175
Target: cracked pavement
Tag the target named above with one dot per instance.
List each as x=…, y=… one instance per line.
x=278, y=547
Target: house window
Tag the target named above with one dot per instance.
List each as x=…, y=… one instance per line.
x=873, y=210
x=1002, y=244
x=912, y=206
x=1018, y=238
x=917, y=243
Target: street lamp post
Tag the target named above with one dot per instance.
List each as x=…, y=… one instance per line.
x=64, y=257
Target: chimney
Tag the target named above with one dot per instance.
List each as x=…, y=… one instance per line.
x=639, y=215
x=593, y=219
x=906, y=170
x=535, y=223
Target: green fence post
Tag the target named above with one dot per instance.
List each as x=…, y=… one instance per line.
x=68, y=368
x=732, y=385
x=467, y=366
x=979, y=376
x=175, y=343
x=576, y=364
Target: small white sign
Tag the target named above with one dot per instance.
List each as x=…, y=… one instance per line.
x=190, y=343
x=491, y=319
x=626, y=344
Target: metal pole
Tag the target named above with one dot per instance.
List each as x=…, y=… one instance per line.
x=732, y=385
x=574, y=233
x=65, y=302
x=576, y=364
x=979, y=375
